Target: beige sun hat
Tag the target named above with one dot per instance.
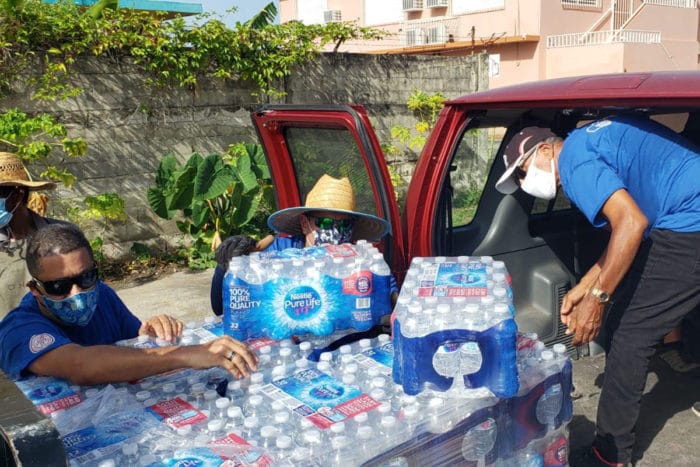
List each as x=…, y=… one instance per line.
x=13, y=173
x=331, y=195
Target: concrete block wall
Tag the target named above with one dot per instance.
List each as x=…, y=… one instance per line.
x=130, y=126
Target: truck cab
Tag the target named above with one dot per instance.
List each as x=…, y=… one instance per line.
x=452, y=207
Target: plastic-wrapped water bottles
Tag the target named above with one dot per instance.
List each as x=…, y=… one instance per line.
x=454, y=328
x=304, y=293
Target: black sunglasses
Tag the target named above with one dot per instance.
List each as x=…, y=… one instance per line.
x=85, y=280
x=6, y=191
x=326, y=223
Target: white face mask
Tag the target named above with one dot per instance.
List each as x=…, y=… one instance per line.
x=540, y=183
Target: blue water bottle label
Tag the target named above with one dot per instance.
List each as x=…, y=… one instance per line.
x=285, y=306
x=323, y=399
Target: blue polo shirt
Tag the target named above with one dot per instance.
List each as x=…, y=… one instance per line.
x=658, y=168
x=26, y=334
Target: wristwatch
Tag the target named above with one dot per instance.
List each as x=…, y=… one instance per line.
x=601, y=295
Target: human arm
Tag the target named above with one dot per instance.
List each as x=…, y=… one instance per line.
x=100, y=364
x=584, y=313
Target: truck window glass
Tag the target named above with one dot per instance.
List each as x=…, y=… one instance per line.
x=470, y=167
x=318, y=151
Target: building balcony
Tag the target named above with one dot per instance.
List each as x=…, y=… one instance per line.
x=603, y=37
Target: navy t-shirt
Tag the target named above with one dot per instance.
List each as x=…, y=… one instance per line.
x=26, y=334
x=658, y=168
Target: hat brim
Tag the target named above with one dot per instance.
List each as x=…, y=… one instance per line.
x=33, y=186
x=365, y=226
x=507, y=184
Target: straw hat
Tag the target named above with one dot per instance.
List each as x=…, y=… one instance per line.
x=13, y=173
x=331, y=195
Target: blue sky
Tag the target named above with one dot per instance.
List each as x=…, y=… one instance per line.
x=245, y=8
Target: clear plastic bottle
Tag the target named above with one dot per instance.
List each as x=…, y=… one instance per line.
x=257, y=378
x=479, y=441
x=130, y=453
x=362, y=345
x=389, y=429
x=345, y=361
x=278, y=372
x=210, y=397
x=215, y=428
x=549, y=405
x=251, y=425
x=411, y=417
x=354, y=424
x=268, y=435
x=304, y=349
x=341, y=452
x=313, y=440
x=301, y=456
x=196, y=395
x=169, y=390
x=301, y=364
x=470, y=358
x=446, y=360
x=285, y=358
x=234, y=418
x=367, y=442
x=222, y=404
x=234, y=391
x=142, y=396
x=282, y=420
x=265, y=357
x=283, y=447
x=255, y=407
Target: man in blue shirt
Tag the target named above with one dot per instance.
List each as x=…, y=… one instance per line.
x=639, y=179
x=66, y=325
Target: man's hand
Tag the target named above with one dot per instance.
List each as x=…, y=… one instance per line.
x=163, y=327
x=585, y=319
x=225, y=352
x=571, y=300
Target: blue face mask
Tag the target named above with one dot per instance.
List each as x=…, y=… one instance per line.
x=5, y=215
x=76, y=309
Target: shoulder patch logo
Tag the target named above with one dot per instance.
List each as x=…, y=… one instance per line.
x=39, y=342
x=595, y=126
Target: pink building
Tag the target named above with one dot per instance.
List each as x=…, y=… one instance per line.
x=526, y=40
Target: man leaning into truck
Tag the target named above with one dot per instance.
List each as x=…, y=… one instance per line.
x=67, y=325
x=639, y=179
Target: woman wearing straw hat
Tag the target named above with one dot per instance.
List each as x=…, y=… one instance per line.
x=17, y=223
x=327, y=217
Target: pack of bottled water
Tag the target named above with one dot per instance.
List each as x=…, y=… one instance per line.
x=314, y=290
x=344, y=409
x=454, y=328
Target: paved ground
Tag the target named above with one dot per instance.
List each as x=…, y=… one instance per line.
x=668, y=433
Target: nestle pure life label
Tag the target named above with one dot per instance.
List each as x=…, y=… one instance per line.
x=299, y=291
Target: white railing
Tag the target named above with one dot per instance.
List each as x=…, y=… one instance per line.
x=436, y=3
x=583, y=4
x=603, y=37
x=428, y=31
x=674, y=3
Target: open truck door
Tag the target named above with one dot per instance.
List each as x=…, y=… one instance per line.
x=303, y=143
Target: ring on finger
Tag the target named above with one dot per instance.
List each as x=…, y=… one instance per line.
x=231, y=355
